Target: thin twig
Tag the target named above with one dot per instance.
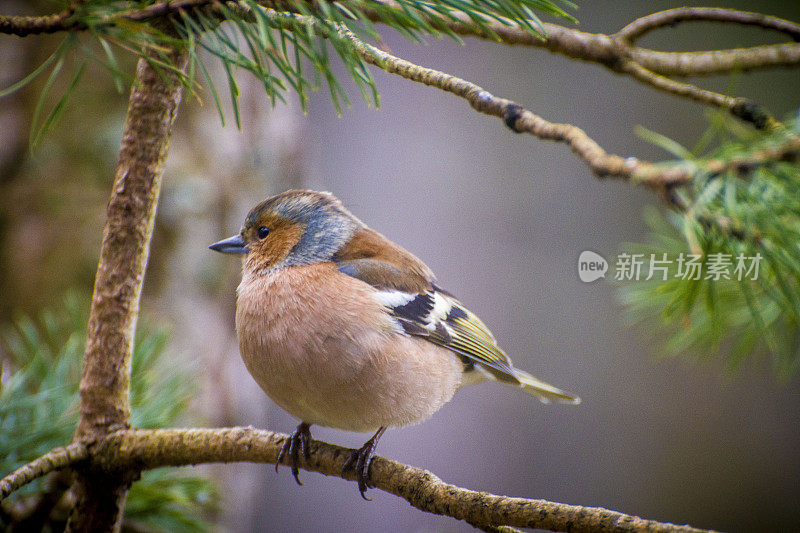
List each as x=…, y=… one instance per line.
x=670, y=17
x=617, y=55
x=712, y=62
x=515, y=116
x=53, y=460
x=148, y=449
x=742, y=108
x=614, y=52
x=24, y=25
x=522, y=120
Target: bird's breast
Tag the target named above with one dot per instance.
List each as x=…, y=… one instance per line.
x=307, y=324
x=324, y=349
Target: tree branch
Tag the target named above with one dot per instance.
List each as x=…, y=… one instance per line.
x=53, y=460
x=105, y=383
x=145, y=449
x=22, y=25
x=717, y=61
x=134, y=450
x=519, y=119
x=671, y=17
x=742, y=108
x=615, y=52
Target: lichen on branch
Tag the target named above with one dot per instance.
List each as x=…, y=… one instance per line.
x=146, y=449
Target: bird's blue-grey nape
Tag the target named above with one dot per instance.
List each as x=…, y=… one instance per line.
x=325, y=234
x=231, y=245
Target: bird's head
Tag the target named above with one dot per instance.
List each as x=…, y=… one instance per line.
x=294, y=228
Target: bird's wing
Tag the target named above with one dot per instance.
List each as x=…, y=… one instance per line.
x=440, y=318
x=406, y=286
x=371, y=257
x=437, y=316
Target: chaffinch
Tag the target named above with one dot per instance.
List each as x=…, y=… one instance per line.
x=343, y=328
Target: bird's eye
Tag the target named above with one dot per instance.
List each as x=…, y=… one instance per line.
x=263, y=231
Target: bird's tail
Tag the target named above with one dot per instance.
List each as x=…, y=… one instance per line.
x=545, y=392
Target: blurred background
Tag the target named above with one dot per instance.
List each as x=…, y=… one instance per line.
x=501, y=218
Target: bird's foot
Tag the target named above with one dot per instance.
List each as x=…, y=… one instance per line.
x=360, y=461
x=297, y=442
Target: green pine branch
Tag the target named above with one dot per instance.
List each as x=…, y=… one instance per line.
x=749, y=216
x=285, y=53
x=41, y=362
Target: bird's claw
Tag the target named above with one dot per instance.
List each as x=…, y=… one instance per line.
x=360, y=461
x=298, y=442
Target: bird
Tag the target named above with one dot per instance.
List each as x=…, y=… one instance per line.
x=343, y=328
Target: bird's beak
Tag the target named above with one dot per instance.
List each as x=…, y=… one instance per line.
x=231, y=245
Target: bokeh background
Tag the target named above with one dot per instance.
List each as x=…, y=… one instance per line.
x=501, y=218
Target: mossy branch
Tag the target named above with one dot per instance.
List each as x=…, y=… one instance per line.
x=135, y=450
x=52, y=461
